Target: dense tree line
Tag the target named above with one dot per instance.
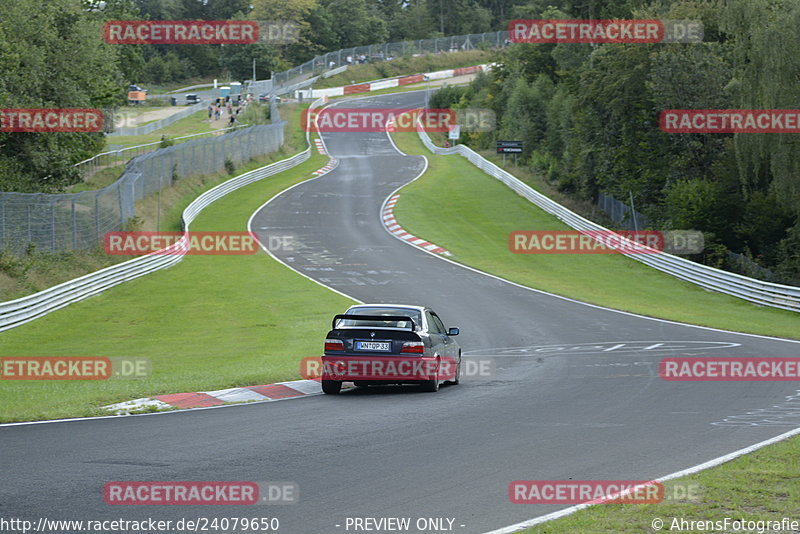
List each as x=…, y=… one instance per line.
x=589, y=114
x=325, y=26
x=51, y=55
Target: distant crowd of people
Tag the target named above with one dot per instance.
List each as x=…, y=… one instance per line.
x=234, y=107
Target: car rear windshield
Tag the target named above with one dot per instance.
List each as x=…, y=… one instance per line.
x=389, y=323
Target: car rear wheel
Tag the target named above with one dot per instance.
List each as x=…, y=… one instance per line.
x=430, y=385
x=458, y=375
x=331, y=387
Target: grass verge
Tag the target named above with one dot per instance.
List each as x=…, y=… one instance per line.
x=38, y=270
x=459, y=207
x=761, y=486
x=210, y=322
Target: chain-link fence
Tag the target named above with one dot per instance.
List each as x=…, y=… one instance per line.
x=300, y=75
x=61, y=222
x=122, y=156
x=621, y=213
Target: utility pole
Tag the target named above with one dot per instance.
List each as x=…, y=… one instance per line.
x=254, y=70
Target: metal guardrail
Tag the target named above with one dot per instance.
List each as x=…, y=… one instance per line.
x=20, y=311
x=743, y=287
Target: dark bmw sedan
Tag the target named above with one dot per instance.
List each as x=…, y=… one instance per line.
x=378, y=344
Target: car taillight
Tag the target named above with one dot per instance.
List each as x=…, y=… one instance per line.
x=413, y=346
x=334, y=344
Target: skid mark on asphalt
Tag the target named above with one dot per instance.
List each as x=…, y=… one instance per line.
x=786, y=413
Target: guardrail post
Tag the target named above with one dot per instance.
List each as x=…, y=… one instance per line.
x=53, y=226
x=74, y=223
x=3, y=243
x=97, y=218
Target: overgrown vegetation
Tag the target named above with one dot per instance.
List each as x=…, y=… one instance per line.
x=51, y=56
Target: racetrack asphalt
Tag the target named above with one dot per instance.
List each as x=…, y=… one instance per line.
x=574, y=393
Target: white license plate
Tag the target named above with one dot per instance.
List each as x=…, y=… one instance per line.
x=385, y=346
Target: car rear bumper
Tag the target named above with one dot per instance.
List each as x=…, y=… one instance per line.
x=387, y=369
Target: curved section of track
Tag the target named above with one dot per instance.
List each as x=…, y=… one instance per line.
x=575, y=393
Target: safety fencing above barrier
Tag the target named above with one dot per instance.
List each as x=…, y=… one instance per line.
x=388, y=83
x=20, y=311
x=757, y=291
x=70, y=221
x=123, y=155
x=325, y=65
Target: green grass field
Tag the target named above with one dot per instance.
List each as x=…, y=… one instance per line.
x=761, y=486
x=210, y=322
x=459, y=207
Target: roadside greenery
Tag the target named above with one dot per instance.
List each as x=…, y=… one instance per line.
x=589, y=119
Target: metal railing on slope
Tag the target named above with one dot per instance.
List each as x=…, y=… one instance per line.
x=20, y=311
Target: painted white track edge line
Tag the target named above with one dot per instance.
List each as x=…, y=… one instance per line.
x=688, y=471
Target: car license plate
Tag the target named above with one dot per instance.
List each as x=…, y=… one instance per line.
x=385, y=346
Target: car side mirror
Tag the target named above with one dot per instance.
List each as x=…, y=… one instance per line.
x=452, y=331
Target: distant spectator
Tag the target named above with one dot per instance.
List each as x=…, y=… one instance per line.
x=349, y=60
x=216, y=113
x=210, y=111
x=331, y=64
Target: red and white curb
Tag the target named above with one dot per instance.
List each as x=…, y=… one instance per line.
x=207, y=399
x=391, y=224
x=332, y=164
